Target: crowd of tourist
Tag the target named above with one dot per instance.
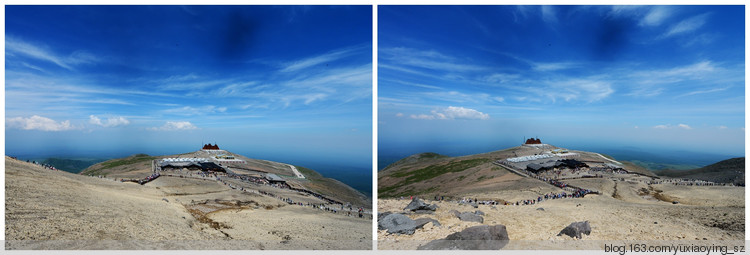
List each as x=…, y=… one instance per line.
x=46, y=166
x=149, y=178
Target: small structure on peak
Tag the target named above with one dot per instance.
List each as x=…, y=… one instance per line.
x=210, y=147
x=533, y=141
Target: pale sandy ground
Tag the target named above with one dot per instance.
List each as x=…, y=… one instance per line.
x=713, y=213
x=56, y=210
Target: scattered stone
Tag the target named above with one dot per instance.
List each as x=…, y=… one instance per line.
x=474, y=238
x=675, y=202
x=655, y=222
x=478, y=212
x=475, y=205
x=422, y=221
x=397, y=224
x=493, y=207
x=416, y=204
x=540, y=209
x=419, y=206
x=470, y=216
x=165, y=200
x=575, y=229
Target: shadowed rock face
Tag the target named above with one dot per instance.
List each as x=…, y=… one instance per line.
x=575, y=229
x=483, y=237
x=397, y=224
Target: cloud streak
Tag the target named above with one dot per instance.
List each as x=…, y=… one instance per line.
x=110, y=122
x=686, y=26
x=175, y=126
x=320, y=59
x=452, y=113
x=38, y=123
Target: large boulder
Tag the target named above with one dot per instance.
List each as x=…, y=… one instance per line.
x=419, y=206
x=575, y=229
x=397, y=224
x=423, y=221
x=381, y=216
x=470, y=216
x=474, y=238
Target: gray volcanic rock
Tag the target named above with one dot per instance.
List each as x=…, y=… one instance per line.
x=470, y=216
x=419, y=206
x=381, y=216
x=575, y=229
x=423, y=221
x=397, y=224
x=474, y=238
x=478, y=212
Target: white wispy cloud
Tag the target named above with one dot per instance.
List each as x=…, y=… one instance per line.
x=38, y=123
x=381, y=81
x=652, y=82
x=320, y=59
x=427, y=59
x=544, y=67
x=647, y=16
x=655, y=16
x=501, y=78
x=452, y=113
x=698, y=92
x=685, y=26
x=668, y=126
x=16, y=45
x=110, y=122
x=583, y=89
x=189, y=110
x=174, y=126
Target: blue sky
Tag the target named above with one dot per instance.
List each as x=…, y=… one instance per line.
x=284, y=83
x=469, y=79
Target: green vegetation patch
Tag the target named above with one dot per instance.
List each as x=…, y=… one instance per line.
x=437, y=170
x=138, y=158
x=429, y=173
x=71, y=165
x=309, y=174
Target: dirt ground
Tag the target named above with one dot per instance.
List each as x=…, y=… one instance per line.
x=622, y=212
